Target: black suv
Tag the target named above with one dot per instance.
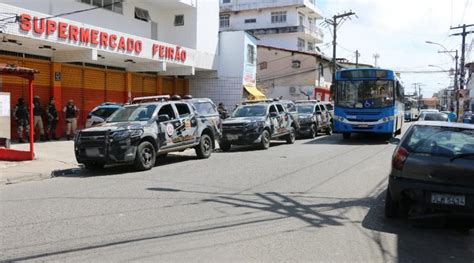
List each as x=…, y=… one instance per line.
x=143, y=130
x=257, y=122
x=313, y=118
x=207, y=113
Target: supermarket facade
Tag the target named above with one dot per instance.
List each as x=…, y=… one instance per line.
x=119, y=51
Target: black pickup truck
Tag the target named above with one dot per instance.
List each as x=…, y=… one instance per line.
x=256, y=123
x=143, y=130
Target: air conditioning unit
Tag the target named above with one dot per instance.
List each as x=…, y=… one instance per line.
x=293, y=90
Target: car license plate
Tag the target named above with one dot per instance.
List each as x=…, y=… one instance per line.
x=92, y=152
x=232, y=137
x=445, y=199
x=363, y=126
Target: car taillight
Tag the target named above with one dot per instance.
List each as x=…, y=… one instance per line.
x=399, y=158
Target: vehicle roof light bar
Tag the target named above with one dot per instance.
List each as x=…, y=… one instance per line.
x=151, y=99
x=307, y=101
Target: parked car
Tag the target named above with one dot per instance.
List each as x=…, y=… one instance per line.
x=433, y=171
x=138, y=133
x=100, y=113
x=468, y=117
x=207, y=113
x=290, y=107
x=256, y=123
x=313, y=118
x=433, y=116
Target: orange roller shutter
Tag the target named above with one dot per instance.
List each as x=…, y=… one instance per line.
x=168, y=86
x=42, y=82
x=180, y=89
x=94, y=88
x=149, y=86
x=72, y=89
x=115, y=90
x=137, y=85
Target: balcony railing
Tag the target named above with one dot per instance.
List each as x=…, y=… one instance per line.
x=242, y=5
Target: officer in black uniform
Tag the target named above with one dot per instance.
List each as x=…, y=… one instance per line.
x=53, y=118
x=22, y=119
x=71, y=118
x=37, y=117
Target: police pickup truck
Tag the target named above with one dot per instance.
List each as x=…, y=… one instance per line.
x=256, y=123
x=141, y=131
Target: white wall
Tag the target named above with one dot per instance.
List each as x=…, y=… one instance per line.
x=288, y=41
x=231, y=53
x=200, y=30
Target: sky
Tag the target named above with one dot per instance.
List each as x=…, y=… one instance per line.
x=397, y=31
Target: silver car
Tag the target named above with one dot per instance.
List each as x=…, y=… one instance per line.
x=433, y=171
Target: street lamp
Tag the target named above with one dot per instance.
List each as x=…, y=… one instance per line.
x=455, y=58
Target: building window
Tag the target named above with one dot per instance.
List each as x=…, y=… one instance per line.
x=279, y=17
x=310, y=46
x=112, y=5
x=250, y=21
x=310, y=22
x=301, y=19
x=224, y=21
x=179, y=20
x=250, y=54
x=142, y=14
x=226, y=1
x=301, y=44
x=263, y=65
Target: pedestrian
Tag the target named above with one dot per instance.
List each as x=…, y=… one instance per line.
x=22, y=119
x=222, y=111
x=37, y=117
x=452, y=116
x=53, y=118
x=71, y=118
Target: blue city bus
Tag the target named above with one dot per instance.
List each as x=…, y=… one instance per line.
x=368, y=100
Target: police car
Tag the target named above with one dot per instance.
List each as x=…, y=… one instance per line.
x=139, y=132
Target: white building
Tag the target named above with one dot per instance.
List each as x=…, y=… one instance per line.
x=93, y=51
x=236, y=74
x=290, y=24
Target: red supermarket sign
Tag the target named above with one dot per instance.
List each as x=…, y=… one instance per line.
x=85, y=35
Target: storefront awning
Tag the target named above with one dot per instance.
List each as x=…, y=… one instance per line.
x=255, y=94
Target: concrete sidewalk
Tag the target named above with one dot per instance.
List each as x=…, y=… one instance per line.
x=49, y=156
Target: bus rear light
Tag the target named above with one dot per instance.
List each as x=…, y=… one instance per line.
x=399, y=158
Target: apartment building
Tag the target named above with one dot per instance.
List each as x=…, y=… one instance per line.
x=289, y=24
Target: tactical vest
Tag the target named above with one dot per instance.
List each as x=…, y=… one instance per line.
x=70, y=112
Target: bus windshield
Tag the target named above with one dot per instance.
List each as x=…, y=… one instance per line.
x=365, y=93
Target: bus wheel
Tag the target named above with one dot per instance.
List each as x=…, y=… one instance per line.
x=346, y=135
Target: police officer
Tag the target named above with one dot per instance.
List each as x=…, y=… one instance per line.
x=53, y=118
x=222, y=111
x=37, y=116
x=71, y=118
x=22, y=119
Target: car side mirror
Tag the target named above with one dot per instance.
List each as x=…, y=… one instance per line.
x=163, y=118
x=273, y=114
x=394, y=141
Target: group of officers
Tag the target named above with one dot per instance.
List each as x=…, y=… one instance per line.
x=22, y=118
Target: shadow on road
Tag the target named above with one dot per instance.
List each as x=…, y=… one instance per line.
x=356, y=139
x=250, y=148
x=119, y=169
x=420, y=240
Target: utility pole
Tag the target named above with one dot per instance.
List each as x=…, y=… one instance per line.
x=456, y=72
x=334, y=22
x=464, y=33
x=357, y=58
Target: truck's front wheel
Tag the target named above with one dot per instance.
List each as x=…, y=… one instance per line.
x=145, y=157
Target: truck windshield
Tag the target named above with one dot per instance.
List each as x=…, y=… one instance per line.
x=133, y=113
x=305, y=108
x=365, y=93
x=250, y=111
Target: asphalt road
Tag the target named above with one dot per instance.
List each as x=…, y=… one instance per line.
x=317, y=200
